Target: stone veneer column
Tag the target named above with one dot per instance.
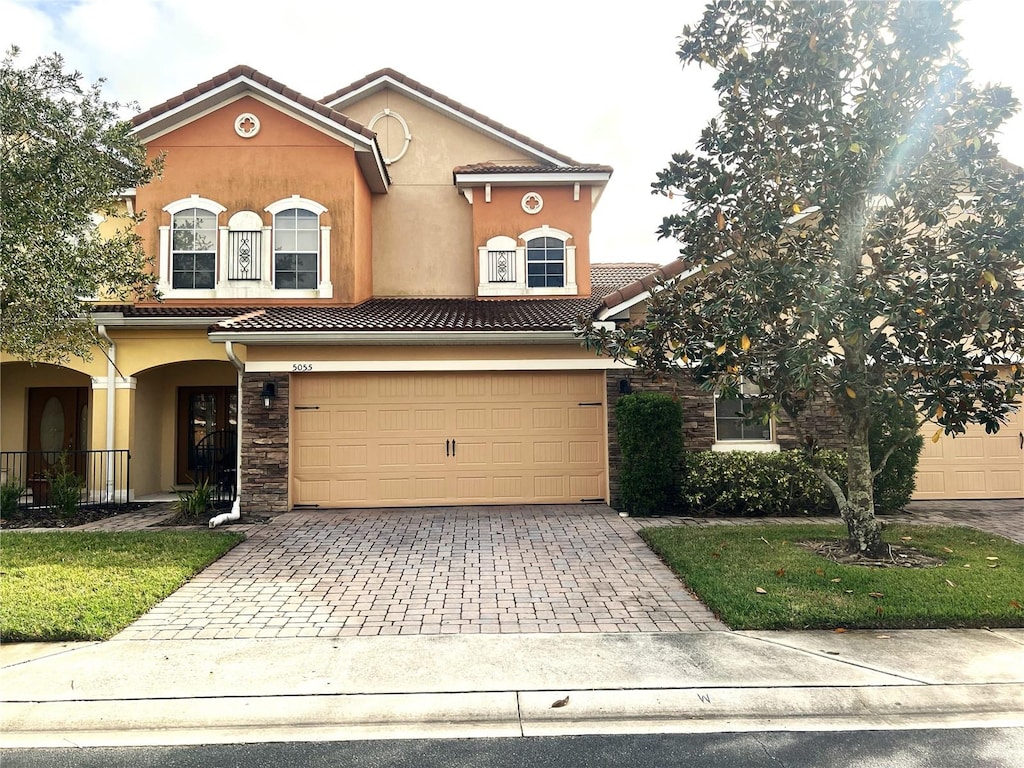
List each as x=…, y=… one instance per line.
x=264, y=482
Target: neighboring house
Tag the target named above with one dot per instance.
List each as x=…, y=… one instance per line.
x=975, y=465
x=373, y=297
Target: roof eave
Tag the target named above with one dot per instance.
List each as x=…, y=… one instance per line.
x=405, y=338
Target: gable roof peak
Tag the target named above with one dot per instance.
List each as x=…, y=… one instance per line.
x=386, y=77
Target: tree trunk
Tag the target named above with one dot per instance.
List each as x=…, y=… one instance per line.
x=859, y=513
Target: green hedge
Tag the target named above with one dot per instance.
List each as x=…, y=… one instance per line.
x=650, y=434
x=745, y=483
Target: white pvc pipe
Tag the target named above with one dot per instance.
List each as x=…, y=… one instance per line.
x=111, y=383
x=234, y=514
x=236, y=505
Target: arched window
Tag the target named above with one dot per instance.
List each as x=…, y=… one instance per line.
x=194, y=249
x=189, y=245
x=297, y=243
x=545, y=262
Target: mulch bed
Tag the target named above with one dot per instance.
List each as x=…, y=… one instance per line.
x=896, y=556
x=48, y=518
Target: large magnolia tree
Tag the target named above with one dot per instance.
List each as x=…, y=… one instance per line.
x=857, y=235
x=65, y=157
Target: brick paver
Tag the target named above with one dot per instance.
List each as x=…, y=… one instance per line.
x=573, y=568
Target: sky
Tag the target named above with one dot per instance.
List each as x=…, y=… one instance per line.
x=603, y=85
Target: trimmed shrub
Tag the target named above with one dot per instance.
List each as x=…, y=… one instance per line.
x=746, y=483
x=895, y=484
x=650, y=433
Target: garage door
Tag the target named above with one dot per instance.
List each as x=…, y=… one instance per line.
x=422, y=439
x=974, y=465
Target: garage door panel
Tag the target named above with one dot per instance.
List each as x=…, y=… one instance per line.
x=975, y=465
x=519, y=437
x=587, y=486
x=549, y=418
x=469, y=419
x=507, y=418
x=548, y=452
x=429, y=419
x=348, y=456
x=585, y=418
x=341, y=421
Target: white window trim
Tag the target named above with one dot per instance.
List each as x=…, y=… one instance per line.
x=324, y=289
x=722, y=445
x=519, y=287
x=164, y=284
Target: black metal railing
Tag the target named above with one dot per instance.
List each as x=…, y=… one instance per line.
x=216, y=462
x=501, y=266
x=40, y=479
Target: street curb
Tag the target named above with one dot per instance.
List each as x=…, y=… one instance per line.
x=334, y=717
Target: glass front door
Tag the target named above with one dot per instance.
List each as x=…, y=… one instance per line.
x=203, y=413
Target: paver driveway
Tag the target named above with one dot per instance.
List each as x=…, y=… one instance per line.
x=573, y=568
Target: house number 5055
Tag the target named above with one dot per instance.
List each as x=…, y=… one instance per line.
x=300, y=367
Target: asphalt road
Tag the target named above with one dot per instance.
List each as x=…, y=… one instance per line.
x=988, y=747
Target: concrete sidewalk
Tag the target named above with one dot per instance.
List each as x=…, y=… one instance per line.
x=289, y=689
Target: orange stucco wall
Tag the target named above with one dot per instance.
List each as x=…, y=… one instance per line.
x=504, y=215
x=287, y=157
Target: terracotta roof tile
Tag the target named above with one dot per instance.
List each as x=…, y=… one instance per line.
x=459, y=314
x=643, y=283
x=526, y=168
x=261, y=79
x=450, y=103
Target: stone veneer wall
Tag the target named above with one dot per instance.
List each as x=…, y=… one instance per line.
x=699, y=420
x=264, y=482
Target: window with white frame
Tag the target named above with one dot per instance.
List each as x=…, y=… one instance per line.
x=732, y=418
x=545, y=263
x=193, y=249
x=540, y=263
x=297, y=241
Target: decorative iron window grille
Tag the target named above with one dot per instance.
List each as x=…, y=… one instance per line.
x=245, y=256
x=501, y=266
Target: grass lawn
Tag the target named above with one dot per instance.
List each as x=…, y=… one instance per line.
x=980, y=584
x=89, y=586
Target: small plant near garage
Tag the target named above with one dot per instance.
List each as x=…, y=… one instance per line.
x=650, y=433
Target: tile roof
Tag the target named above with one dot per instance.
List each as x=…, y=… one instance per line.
x=248, y=72
x=430, y=93
x=440, y=314
x=642, y=283
x=526, y=168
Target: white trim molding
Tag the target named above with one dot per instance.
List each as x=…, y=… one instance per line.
x=299, y=367
x=519, y=286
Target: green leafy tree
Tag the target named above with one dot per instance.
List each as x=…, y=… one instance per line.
x=856, y=235
x=65, y=157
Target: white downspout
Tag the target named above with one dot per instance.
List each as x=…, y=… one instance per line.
x=236, y=505
x=111, y=383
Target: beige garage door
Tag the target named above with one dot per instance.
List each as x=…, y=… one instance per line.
x=974, y=465
x=422, y=439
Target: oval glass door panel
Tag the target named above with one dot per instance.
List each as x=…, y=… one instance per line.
x=51, y=426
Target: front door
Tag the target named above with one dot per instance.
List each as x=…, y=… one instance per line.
x=57, y=422
x=202, y=412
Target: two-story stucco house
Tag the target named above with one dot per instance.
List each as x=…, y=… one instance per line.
x=372, y=294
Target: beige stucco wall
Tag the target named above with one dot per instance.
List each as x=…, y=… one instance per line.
x=423, y=229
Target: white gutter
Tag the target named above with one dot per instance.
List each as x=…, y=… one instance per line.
x=236, y=504
x=111, y=404
x=378, y=338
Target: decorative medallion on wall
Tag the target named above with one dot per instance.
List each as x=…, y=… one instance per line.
x=387, y=113
x=532, y=202
x=247, y=125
